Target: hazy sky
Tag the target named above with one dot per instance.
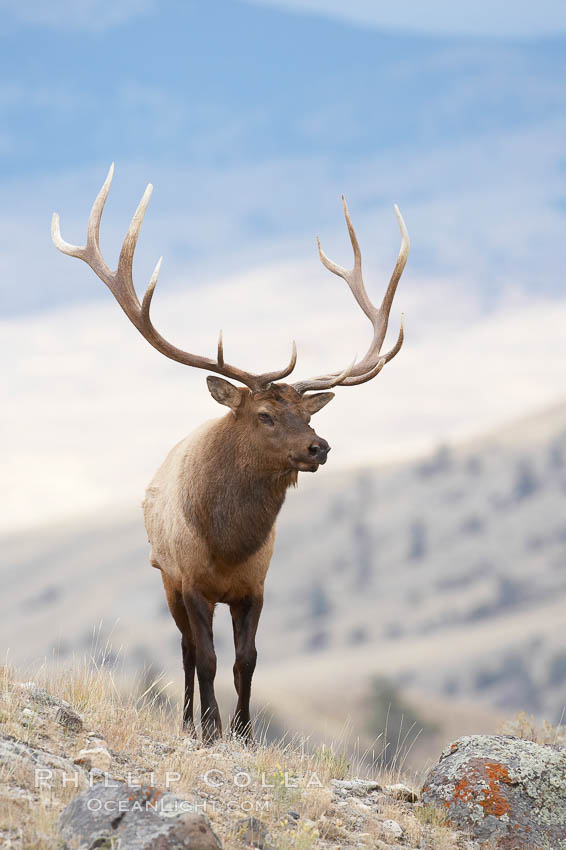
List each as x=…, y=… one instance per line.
x=495, y=18
x=251, y=120
x=482, y=17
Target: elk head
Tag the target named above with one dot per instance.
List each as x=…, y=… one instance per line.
x=272, y=417
x=274, y=425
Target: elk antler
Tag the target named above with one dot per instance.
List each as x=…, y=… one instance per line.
x=373, y=362
x=120, y=283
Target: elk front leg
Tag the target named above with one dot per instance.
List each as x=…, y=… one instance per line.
x=189, y=661
x=245, y=619
x=200, y=611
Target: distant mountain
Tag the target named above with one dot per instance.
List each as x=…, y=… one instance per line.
x=446, y=575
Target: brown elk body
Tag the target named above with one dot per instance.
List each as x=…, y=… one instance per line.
x=211, y=508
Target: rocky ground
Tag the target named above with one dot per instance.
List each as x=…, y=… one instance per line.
x=66, y=735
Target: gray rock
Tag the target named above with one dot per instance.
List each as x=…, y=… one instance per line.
x=40, y=695
x=12, y=751
x=357, y=787
x=503, y=790
x=392, y=827
x=116, y=814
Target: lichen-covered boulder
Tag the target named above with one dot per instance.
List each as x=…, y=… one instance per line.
x=116, y=815
x=503, y=790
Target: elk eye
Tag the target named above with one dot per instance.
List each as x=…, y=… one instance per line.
x=266, y=418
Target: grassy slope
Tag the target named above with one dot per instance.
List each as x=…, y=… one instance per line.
x=142, y=738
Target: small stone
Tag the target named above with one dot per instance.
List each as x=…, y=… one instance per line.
x=95, y=757
x=95, y=774
x=358, y=787
x=252, y=832
x=361, y=806
x=69, y=719
x=293, y=814
x=97, y=735
x=401, y=792
x=392, y=827
x=30, y=718
x=189, y=830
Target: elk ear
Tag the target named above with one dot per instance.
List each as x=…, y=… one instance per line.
x=314, y=403
x=224, y=392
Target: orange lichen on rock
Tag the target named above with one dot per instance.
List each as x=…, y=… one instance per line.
x=508, y=793
x=462, y=791
x=495, y=802
x=492, y=800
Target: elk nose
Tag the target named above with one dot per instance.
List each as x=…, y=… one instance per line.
x=318, y=449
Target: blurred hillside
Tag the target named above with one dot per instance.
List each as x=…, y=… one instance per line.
x=445, y=575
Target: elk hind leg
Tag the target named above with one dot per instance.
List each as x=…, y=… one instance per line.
x=200, y=612
x=177, y=608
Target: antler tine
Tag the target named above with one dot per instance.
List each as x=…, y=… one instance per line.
x=402, y=258
x=347, y=380
x=120, y=283
x=254, y=382
x=353, y=276
x=372, y=363
x=220, y=352
x=93, y=229
x=124, y=276
x=146, y=303
x=273, y=377
x=325, y=382
x=92, y=243
x=361, y=379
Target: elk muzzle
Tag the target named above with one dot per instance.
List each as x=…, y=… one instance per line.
x=314, y=456
x=318, y=450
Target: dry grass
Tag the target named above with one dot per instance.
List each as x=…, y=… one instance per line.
x=524, y=726
x=228, y=780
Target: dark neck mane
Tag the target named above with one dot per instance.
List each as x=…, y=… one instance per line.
x=233, y=503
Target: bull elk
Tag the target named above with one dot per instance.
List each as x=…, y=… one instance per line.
x=210, y=510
